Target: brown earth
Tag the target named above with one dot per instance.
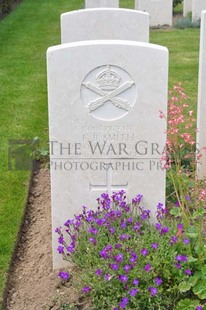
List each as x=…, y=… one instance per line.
x=33, y=285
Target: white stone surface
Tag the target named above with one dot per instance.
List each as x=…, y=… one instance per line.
x=104, y=101
x=197, y=7
x=201, y=111
x=101, y=4
x=187, y=7
x=160, y=11
x=104, y=24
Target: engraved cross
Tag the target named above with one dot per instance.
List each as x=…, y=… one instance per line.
x=109, y=187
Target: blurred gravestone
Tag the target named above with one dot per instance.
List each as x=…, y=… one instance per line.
x=160, y=11
x=104, y=24
x=201, y=111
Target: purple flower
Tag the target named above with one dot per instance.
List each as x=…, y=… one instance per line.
x=60, y=240
x=137, y=226
x=123, y=278
x=64, y=275
x=114, y=266
x=70, y=249
x=144, y=252
x=187, y=198
x=133, y=258
x=93, y=240
x=188, y=272
x=86, y=289
x=69, y=222
x=100, y=222
x=177, y=203
x=158, y=281
x=186, y=241
x=130, y=220
x=118, y=246
x=127, y=268
x=119, y=258
x=158, y=226
x=145, y=214
x=112, y=230
x=135, y=282
x=137, y=199
x=133, y=292
x=103, y=254
x=98, y=272
x=178, y=266
x=93, y=230
x=154, y=245
x=147, y=267
x=173, y=240
x=123, y=237
x=123, y=224
x=60, y=249
x=153, y=291
x=107, y=277
x=164, y=230
x=108, y=248
x=199, y=308
x=181, y=258
x=124, y=302
x=180, y=226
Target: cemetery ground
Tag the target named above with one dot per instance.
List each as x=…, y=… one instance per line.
x=25, y=35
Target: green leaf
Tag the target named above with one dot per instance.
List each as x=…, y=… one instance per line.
x=175, y=211
x=187, y=304
x=199, y=212
x=185, y=286
x=203, y=270
x=200, y=289
x=192, y=232
x=193, y=280
x=191, y=259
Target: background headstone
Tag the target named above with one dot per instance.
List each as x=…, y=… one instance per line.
x=105, y=131
x=197, y=7
x=104, y=24
x=101, y=4
x=187, y=7
x=201, y=111
x=160, y=11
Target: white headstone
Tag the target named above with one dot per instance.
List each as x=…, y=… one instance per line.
x=101, y=4
x=160, y=11
x=187, y=7
x=197, y=7
x=105, y=130
x=201, y=111
x=104, y=24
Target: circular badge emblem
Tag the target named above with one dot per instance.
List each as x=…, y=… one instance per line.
x=108, y=93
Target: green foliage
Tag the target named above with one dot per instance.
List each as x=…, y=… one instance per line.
x=6, y=6
x=176, y=2
x=187, y=23
x=117, y=245
x=187, y=304
x=25, y=34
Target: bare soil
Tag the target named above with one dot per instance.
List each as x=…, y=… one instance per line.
x=32, y=283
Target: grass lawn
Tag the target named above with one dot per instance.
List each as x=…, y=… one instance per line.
x=24, y=37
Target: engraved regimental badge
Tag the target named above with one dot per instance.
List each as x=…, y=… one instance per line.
x=108, y=92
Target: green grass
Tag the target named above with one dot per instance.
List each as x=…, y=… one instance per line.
x=24, y=37
x=183, y=48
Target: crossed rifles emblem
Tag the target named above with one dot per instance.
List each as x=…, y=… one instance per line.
x=109, y=95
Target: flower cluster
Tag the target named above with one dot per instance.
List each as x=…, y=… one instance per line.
x=124, y=256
